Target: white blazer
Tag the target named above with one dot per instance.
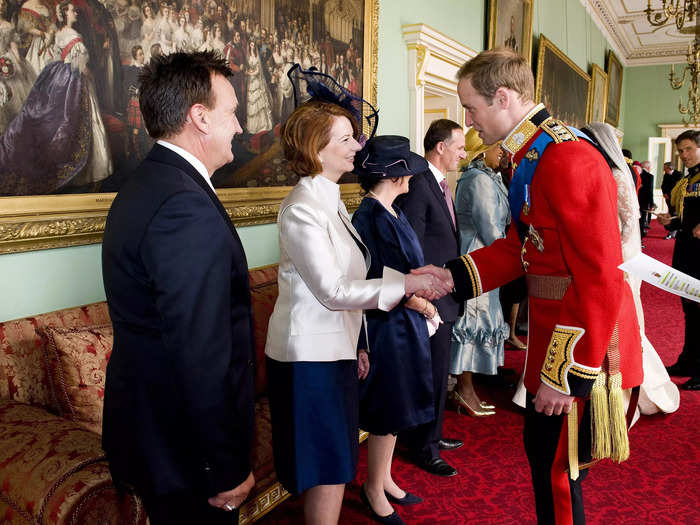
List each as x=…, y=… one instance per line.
x=322, y=278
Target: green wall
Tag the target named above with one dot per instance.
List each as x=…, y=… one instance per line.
x=36, y=282
x=649, y=101
x=567, y=24
x=458, y=19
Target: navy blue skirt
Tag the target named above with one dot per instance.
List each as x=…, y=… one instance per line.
x=314, y=408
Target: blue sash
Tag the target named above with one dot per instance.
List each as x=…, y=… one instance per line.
x=520, y=185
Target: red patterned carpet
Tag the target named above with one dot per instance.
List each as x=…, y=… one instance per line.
x=657, y=485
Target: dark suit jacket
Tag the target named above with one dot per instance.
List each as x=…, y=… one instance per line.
x=426, y=210
x=178, y=408
x=669, y=181
x=646, y=191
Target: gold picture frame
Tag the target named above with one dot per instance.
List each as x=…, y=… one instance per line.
x=614, y=98
x=503, y=17
x=598, y=95
x=39, y=222
x=561, y=85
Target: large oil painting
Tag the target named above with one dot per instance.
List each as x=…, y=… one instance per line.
x=561, y=85
x=510, y=25
x=598, y=95
x=612, y=114
x=70, y=125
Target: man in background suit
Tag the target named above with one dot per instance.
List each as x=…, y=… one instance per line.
x=178, y=410
x=671, y=177
x=646, y=197
x=430, y=210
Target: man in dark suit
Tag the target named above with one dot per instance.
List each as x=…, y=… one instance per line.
x=646, y=197
x=430, y=210
x=685, y=201
x=178, y=410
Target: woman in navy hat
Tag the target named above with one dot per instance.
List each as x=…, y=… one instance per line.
x=398, y=392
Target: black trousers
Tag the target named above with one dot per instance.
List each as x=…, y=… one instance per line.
x=558, y=499
x=422, y=441
x=690, y=356
x=186, y=509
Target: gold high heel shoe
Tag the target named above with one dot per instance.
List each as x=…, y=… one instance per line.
x=462, y=404
x=487, y=406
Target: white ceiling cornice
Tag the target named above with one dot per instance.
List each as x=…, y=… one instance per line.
x=636, y=42
x=605, y=21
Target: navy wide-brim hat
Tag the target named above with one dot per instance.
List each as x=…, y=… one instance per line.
x=388, y=156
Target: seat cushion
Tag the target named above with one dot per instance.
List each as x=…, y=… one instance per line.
x=77, y=363
x=54, y=471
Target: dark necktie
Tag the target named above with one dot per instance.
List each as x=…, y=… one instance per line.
x=448, y=200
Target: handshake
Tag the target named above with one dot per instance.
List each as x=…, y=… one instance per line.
x=429, y=282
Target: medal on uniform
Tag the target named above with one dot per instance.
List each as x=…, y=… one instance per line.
x=535, y=239
x=526, y=206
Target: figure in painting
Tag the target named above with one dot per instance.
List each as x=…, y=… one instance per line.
x=37, y=32
x=511, y=41
x=148, y=30
x=16, y=75
x=259, y=106
x=66, y=127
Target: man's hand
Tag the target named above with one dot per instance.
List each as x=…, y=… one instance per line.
x=696, y=231
x=362, y=364
x=233, y=498
x=552, y=402
x=426, y=285
x=664, y=218
x=442, y=279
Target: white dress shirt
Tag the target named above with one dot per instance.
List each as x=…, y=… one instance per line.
x=196, y=163
x=439, y=176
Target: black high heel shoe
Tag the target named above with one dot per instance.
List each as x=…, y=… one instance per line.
x=408, y=499
x=391, y=519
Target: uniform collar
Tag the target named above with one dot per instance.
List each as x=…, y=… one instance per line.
x=525, y=130
x=693, y=171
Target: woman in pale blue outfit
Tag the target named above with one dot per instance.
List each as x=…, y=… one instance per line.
x=483, y=214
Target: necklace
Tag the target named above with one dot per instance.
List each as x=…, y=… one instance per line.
x=387, y=208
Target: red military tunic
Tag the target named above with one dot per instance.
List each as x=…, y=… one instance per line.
x=573, y=211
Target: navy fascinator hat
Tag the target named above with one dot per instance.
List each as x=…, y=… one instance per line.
x=388, y=156
x=311, y=84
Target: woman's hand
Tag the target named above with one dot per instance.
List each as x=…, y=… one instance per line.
x=362, y=364
x=428, y=283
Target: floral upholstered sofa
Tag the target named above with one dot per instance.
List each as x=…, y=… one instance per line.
x=52, y=467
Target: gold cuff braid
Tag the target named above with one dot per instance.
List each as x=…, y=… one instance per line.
x=560, y=359
x=473, y=274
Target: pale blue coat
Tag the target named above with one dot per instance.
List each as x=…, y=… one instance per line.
x=483, y=213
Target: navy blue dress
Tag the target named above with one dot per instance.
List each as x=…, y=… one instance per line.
x=398, y=392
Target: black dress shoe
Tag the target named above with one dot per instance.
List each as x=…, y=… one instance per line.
x=408, y=499
x=437, y=466
x=678, y=370
x=691, y=384
x=449, y=444
x=391, y=519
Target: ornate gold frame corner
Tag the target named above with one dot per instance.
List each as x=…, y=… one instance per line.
x=39, y=222
x=596, y=72
x=545, y=43
x=527, y=22
x=612, y=58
